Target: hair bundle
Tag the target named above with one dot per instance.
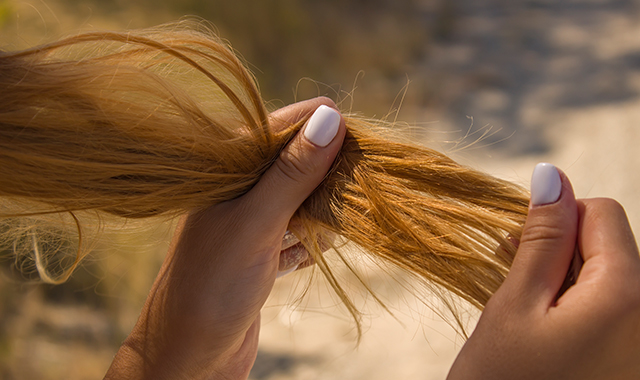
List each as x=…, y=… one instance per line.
x=162, y=121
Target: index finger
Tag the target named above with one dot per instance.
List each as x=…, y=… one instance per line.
x=284, y=117
x=605, y=231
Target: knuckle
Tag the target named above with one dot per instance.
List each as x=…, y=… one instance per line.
x=606, y=211
x=542, y=232
x=610, y=205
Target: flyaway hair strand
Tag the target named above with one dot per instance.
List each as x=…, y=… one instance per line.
x=162, y=121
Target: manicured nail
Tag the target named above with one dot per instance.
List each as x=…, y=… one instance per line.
x=286, y=271
x=546, y=184
x=322, y=126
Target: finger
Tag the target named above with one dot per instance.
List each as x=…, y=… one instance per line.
x=605, y=231
x=286, y=116
x=548, y=240
x=299, y=169
x=290, y=258
x=295, y=256
x=289, y=240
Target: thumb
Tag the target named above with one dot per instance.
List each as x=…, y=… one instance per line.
x=548, y=240
x=300, y=167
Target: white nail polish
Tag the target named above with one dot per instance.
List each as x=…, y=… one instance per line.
x=323, y=126
x=287, y=271
x=546, y=184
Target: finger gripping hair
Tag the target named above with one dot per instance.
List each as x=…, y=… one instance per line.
x=167, y=120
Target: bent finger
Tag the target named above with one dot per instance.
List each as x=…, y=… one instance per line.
x=299, y=169
x=605, y=231
x=285, y=117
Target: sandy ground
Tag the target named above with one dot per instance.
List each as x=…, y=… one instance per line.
x=556, y=81
x=571, y=98
x=597, y=149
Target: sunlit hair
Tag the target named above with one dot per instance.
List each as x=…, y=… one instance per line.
x=162, y=121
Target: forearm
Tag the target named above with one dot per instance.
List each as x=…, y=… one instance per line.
x=138, y=358
x=170, y=341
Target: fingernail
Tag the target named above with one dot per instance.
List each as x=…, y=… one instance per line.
x=289, y=240
x=292, y=256
x=546, y=184
x=286, y=271
x=322, y=126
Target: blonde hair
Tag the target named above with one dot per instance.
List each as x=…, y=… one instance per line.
x=162, y=121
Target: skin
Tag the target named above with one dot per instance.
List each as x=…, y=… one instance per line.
x=201, y=319
x=593, y=330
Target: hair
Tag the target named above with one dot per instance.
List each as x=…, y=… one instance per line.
x=161, y=121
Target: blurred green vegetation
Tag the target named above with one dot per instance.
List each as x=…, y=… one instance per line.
x=71, y=331
x=506, y=63
x=5, y=12
x=330, y=43
x=327, y=41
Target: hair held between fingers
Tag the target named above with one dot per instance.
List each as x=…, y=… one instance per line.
x=162, y=121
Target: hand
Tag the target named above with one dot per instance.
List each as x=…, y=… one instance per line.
x=590, y=332
x=202, y=316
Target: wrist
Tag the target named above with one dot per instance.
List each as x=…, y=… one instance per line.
x=143, y=357
x=143, y=360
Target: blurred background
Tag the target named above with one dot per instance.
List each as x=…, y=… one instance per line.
x=499, y=85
